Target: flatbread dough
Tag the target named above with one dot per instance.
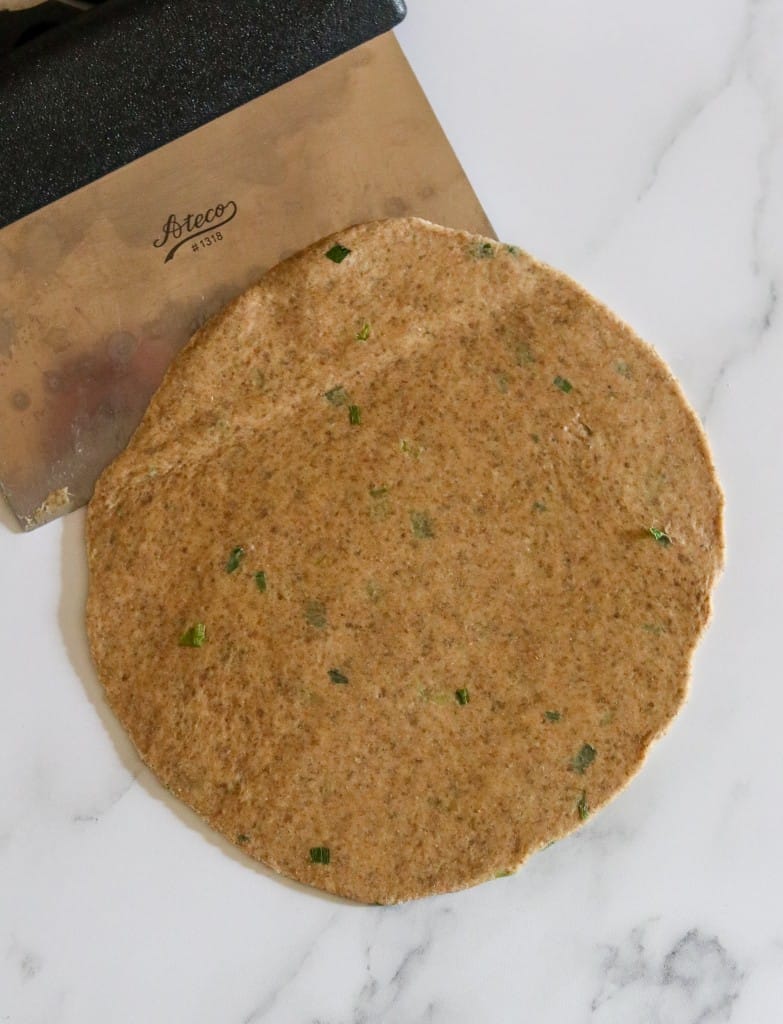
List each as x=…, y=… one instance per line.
x=450, y=531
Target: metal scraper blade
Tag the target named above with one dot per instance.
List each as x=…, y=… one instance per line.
x=99, y=290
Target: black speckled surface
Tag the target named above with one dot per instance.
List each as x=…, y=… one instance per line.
x=132, y=75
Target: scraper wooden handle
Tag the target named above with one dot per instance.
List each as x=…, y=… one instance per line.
x=132, y=75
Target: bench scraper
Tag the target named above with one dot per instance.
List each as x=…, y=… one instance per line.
x=156, y=157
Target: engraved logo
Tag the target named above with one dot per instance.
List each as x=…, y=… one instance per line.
x=178, y=231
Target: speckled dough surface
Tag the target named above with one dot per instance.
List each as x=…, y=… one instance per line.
x=403, y=571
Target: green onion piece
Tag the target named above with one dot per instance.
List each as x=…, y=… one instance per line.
x=320, y=854
x=411, y=448
x=429, y=695
x=513, y=250
x=235, y=559
x=583, y=808
x=242, y=838
x=503, y=874
x=364, y=333
x=337, y=253
x=463, y=697
x=379, y=492
x=315, y=613
x=564, y=385
x=552, y=716
x=260, y=578
x=483, y=251
x=422, y=527
x=524, y=354
x=539, y=506
x=336, y=396
x=354, y=415
x=337, y=677
x=583, y=759
x=661, y=536
x=195, y=636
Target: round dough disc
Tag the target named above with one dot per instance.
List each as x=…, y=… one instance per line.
x=403, y=570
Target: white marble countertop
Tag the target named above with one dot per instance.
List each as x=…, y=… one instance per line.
x=641, y=150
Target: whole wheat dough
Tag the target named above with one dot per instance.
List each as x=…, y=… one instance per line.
x=447, y=530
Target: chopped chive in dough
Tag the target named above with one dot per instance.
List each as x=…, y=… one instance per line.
x=320, y=854
x=583, y=759
x=364, y=333
x=503, y=874
x=463, y=697
x=336, y=396
x=337, y=676
x=242, y=838
x=653, y=627
x=337, y=253
x=564, y=385
x=502, y=383
x=235, y=559
x=431, y=697
x=539, y=506
x=524, y=354
x=374, y=591
x=195, y=636
x=623, y=369
x=422, y=527
x=552, y=716
x=315, y=613
x=379, y=507
x=661, y=536
x=354, y=415
x=582, y=807
x=483, y=250
x=535, y=438
x=260, y=578
x=411, y=448
x=513, y=250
